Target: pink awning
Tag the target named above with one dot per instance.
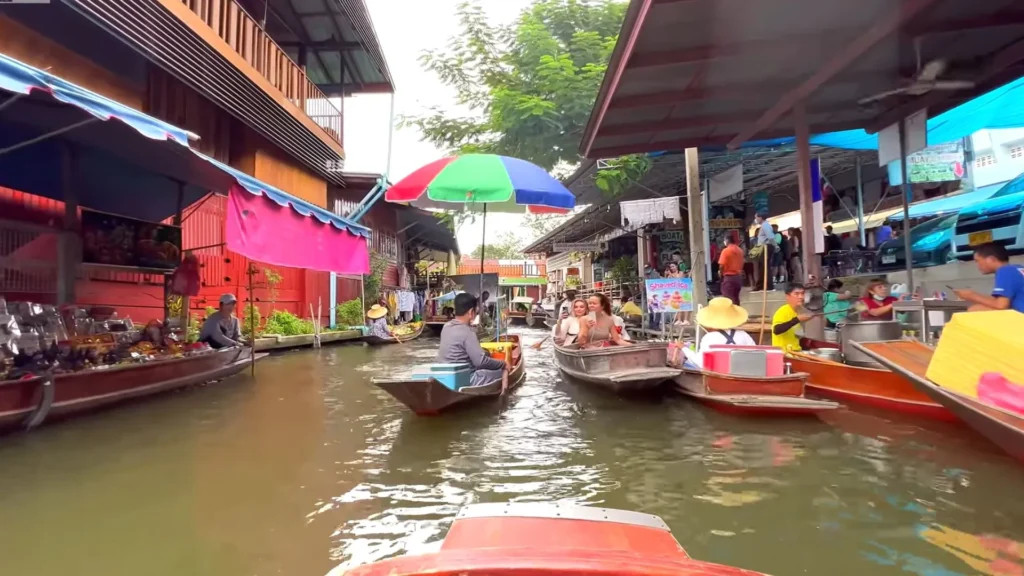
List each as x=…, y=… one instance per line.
x=261, y=229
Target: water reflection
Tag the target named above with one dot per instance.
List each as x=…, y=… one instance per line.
x=309, y=469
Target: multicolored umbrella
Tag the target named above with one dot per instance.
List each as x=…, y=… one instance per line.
x=497, y=183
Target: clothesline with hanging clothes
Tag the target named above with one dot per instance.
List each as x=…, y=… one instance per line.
x=404, y=305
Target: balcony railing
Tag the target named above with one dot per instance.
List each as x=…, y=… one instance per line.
x=244, y=35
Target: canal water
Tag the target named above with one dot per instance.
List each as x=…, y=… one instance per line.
x=308, y=469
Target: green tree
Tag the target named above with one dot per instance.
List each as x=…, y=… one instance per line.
x=541, y=224
x=507, y=247
x=529, y=86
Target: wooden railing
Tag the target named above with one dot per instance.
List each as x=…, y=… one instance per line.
x=245, y=36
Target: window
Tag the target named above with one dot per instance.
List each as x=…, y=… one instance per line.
x=1017, y=152
x=986, y=160
x=343, y=207
x=386, y=245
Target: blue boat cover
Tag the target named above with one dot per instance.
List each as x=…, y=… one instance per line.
x=21, y=78
x=286, y=200
x=949, y=204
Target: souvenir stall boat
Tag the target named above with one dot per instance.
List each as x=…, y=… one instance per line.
x=525, y=539
x=401, y=333
x=442, y=386
x=622, y=369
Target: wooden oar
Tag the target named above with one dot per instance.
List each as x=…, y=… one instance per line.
x=813, y=358
x=537, y=345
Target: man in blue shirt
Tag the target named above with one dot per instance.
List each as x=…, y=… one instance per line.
x=1008, y=290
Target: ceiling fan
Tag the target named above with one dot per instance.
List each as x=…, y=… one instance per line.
x=926, y=80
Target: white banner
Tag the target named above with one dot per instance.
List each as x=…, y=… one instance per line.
x=639, y=213
x=727, y=183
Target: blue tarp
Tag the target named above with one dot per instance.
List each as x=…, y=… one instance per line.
x=949, y=204
x=286, y=200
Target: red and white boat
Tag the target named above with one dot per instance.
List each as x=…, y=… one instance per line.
x=534, y=539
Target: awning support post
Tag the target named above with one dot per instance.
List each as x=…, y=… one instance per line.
x=815, y=328
x=695, y=212
x=860, y=202
x=907, y=190
x=67, y=247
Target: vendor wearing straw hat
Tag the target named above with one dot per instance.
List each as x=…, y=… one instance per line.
x=721, y=318
x=378, y=321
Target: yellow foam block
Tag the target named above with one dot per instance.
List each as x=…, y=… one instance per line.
x=974, y=343
x=503, y=346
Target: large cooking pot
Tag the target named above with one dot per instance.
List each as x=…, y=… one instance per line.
x=866, y=332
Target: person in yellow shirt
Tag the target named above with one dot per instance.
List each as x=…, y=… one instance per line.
x=786, y=319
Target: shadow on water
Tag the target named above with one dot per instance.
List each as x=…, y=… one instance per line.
x=309, y=469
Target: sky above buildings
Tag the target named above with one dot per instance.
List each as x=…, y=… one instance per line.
x=406, y=28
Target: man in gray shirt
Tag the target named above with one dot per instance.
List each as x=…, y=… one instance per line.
x=460, y=345
x=221, y=329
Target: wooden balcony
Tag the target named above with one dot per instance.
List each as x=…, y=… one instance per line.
x=245, y=36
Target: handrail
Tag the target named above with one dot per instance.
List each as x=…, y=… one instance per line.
x=244, y=35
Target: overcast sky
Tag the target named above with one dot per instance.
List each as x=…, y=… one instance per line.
x=405, y=29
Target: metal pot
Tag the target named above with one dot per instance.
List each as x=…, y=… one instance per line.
x=866, y=332
x=832, y=354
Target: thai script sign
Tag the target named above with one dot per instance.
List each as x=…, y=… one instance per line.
x=576, y=247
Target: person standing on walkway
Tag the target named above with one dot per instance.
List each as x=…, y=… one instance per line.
x=796, y=267
x=730, y=265
x=766, y=240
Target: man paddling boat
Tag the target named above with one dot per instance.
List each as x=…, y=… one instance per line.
x=460, y=345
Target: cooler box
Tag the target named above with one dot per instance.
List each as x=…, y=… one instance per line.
x=453, y=376
x=745, y=360
x=498, y=350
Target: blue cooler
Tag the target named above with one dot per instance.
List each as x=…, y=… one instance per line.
x=453, y=376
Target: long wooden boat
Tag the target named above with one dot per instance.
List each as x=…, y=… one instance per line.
x=536, y=320
x=435, y=325
x=427, y=397
x=750, y=395
x=621, y=369
x=870, y=387
x=30, y=402
x=371, y=339
x=548, y=539
x=515, y=318
x=910, y=360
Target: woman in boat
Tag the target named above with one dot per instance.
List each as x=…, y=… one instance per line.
x=599, y=326
x=378, y=321
x=837, y=302
x=877, y=302
x=567, y=329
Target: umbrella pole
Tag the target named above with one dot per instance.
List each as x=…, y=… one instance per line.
x=483, y=256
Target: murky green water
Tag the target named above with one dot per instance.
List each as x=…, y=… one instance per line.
x=308, y=469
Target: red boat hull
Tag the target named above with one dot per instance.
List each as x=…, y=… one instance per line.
x=563, y=545
x=27, y=403
x=750, y=396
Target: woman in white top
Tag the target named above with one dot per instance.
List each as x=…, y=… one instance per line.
x=565, y=331
x=720, y=318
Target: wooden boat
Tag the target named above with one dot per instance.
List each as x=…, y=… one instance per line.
x=537, y=320
x=30, y=402
x=910, y=360
x=515, y=318
x=427, y=397
x=371, y=339
x=547, y=539
x=750, y=395
x=871, y=387
x=435, y=324
x=621, y=369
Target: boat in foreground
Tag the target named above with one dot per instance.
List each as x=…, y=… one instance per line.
x=750, y=395
x=371, y=339
x=27, y=403
x=430, y=393
x=910, y=359
x=622, y=369
x=849, y=377
x=525, y=539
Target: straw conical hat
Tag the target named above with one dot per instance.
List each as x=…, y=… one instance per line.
x=376, y=311
x=721, y=314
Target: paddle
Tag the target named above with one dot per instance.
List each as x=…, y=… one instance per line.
x=537, y=345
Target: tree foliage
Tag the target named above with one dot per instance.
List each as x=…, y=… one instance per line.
x=541, y=224
x=529, y=86
x=508, y=246
x=617, y=174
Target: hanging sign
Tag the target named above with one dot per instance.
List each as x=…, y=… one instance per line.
x=760, y=203
x=725, y=223
x=666, y=295
x=560, y=247
x=114, y=240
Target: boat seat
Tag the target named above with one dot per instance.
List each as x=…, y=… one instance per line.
x=757, y=361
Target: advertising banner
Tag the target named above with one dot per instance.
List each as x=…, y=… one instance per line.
x=668, y=295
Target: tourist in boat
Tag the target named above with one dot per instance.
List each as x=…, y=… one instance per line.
x=221, y=329
x=720, y=318
x=567, y=329
x=568, y=297
x=877, y=302
x=1008, y=290
x=837, y=303
x=460, y=345
x=378, y=321
x=599, y=326
x=787, y=319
